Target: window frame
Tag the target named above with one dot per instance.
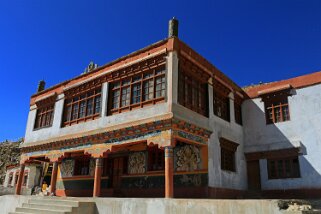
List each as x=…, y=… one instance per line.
x=156, y=159
x=75, y=102
x=80, y=163
x=192, y=91
x=238, y=110
x=228, y=155
x=45, y=114
x=153, y=74
x=221, y=100
x=274, y=101
x=294, y=173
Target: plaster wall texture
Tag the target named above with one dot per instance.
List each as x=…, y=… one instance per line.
x=14, y=171
x=33, y=176
x=8, y=203
x=230, y=130
x=184, y=206
x=302, y=131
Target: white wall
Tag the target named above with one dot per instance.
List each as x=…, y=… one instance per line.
x=230, y=130
x=303, y=131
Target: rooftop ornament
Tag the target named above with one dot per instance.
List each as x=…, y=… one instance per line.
x=92, y=66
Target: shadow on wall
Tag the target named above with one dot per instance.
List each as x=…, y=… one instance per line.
x=274, y=150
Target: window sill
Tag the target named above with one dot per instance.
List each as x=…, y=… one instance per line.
x=43, y=127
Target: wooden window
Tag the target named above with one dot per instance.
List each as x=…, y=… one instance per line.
x=146, y=88
x=283, y=168
x=221, y=101
x=44, y=116
x=82, y=164
x=276, y=108
x=192, y=92
x=82, y=107
x=228, y=149
x=156, y=159
x=238, y=109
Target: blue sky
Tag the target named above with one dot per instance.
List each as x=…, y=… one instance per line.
x=249, y=40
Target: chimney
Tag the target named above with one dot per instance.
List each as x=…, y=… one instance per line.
x=41, y=85
x=173, y=27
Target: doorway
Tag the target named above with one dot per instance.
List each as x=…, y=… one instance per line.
x=253, y=175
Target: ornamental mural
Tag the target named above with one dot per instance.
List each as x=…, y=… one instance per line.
x=67, y=168
x=187, y=158
x=136, y=163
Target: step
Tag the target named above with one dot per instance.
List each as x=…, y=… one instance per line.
x=41, y=211
x=50, y=206
x=54, y=201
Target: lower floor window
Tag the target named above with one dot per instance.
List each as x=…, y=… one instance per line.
x=227, y=160
x=228, y=149
x=283, y=168
x=82, y=166
x=156, y=159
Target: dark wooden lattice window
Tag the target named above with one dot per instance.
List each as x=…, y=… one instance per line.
x=238, y=109
x=146, y=88
x=156, y=159
x=44, y=117
x=276, y=107
x=82, y=164
x=221, y=101
x=82, y=106
x=228, y=149
x=283, y=168
x=192, y=91
x=45, y=111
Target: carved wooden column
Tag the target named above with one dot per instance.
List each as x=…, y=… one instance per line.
x=20, y=178
x=54, y=177
x=169, y=172
x=97, y=181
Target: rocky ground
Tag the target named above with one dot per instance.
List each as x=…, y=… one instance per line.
x=9, y=155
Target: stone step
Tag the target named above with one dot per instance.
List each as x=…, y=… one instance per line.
x=59, y=207
x=54, y=201
x=40, y=211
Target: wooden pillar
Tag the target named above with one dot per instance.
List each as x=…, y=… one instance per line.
x=54, y=177
x=98, y=172
x=169, y=172
x=20, y=178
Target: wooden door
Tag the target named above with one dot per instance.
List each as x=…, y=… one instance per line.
x=117, y=172
x=253, y=175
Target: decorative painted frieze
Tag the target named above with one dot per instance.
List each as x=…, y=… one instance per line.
x=137, y=163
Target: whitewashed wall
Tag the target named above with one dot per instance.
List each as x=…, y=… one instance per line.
x=303, y=131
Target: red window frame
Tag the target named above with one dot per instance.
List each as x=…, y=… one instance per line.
x=145, y=88
x=238, y=110
x=82, y=107
x=44, y=116
x=276, y=107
